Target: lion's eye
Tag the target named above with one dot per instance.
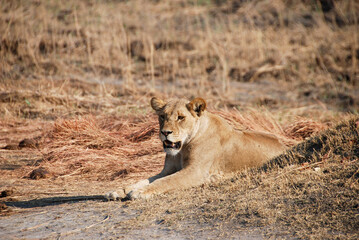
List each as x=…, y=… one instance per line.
x=162, y=117
x=179, y=118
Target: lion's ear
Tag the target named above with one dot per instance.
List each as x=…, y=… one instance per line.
x=157, y=104
x=197, y=106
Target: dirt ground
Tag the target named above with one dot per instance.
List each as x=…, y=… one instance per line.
x=100, y=220
x=75, y=122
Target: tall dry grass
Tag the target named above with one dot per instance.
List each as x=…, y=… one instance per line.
x=204, y=46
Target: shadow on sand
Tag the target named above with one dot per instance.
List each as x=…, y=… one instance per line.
x=43, y=202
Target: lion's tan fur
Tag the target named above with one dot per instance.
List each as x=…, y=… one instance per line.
x=209, y=147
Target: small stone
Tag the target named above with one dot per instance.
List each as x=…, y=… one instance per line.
x=3, y=207
x=39, y=173
x=28, y=143
x=6, y=193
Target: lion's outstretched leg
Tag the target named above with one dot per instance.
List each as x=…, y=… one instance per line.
x=139, y=185
x=183, y=179
x=172, y=164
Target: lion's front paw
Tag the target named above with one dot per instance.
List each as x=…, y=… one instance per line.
x=114, y=196
x=139, y=194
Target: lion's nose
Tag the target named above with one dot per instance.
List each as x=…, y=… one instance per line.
x=166, y=133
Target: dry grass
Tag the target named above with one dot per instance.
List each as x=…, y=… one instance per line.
x=205, y=46
x=102, y=148
x=303, y=128
x=263, y=121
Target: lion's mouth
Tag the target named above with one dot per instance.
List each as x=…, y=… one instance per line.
x=169, y=144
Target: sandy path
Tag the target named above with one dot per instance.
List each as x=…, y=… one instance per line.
x=94, y=220
x=76, y=220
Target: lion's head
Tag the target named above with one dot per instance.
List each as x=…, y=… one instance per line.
x=179, y=121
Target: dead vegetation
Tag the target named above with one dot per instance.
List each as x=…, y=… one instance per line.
x=76, y=78
x=255, y=120
x=102, y=148
x=205, y=45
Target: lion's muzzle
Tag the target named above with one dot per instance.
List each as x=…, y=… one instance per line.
x=169, y=144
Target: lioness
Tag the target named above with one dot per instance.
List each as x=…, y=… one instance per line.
x=199, y=144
